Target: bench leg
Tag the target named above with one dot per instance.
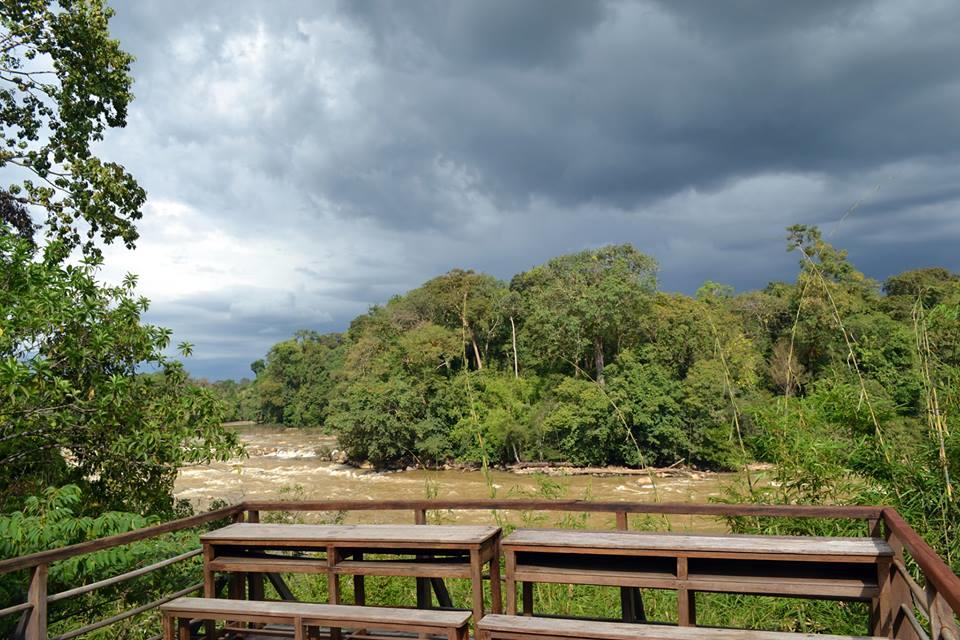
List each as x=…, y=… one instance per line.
x=463, y=633
x=298, y=630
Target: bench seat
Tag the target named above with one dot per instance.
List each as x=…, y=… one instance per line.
x=502, y=627
x=304, y=615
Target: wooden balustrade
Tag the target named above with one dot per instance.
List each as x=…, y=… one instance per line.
x=916, y=611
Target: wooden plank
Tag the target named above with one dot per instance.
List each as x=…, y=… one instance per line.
x=411, y=568
x=316, y=613
x=374, y=535
x=499, y=626
x=844, y=589
x=568, y=575
x=852, y=549
x=269, y=565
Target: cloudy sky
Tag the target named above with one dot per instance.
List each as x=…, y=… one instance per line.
x=304, y=160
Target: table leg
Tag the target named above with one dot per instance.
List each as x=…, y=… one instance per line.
x=333, y=586
x=636, y=598
x=496, y=598
x=169, y=627
x=686, y=608
x=359, y=587
x=527, y=588
x=183, y=629
x=476, y=577
x=237, y=589
x=510, y=561
x=626, y=605
x=424, y=599
x=686, y=599
x=209, y=589
x=880, y=606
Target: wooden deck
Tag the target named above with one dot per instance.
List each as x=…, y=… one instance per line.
x=238, y=557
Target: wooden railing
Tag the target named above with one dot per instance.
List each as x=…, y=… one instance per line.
x=926, y=611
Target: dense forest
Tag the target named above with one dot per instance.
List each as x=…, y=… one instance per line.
x=583, y=360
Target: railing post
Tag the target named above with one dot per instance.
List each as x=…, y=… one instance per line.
x=899, y=594
x=37, y=597
x=941, y=616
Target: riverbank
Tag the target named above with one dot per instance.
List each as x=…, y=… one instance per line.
x=290, y=464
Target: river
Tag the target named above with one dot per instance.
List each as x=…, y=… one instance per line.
x=293, y=464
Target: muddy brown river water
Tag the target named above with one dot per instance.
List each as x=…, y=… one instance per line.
x=293, y=464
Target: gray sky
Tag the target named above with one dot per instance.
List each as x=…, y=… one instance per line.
x=304, y=160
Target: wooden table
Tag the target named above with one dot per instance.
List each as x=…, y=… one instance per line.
x=806, y=566
x=422, y=552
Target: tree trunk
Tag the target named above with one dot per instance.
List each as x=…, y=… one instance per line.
x=598, y=358
x=476, y=352
x=513, y=334
x=467, y=331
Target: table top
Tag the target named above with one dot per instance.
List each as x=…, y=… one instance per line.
x=414, y=535
x=580, y=541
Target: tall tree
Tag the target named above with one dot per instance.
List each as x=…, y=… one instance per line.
x=585, y=305
x=63, y=82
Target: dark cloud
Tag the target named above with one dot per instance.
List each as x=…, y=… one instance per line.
x=309, y=159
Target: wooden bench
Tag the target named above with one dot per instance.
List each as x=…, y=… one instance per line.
x=502, y=627
x=428, y=553
x=852, y=569
x=307, y=617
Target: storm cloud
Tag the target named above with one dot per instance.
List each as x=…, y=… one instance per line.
x=305, y=160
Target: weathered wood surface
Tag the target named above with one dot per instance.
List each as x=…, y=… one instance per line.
x=315, y=612
x=583, y=506
x=935, y=570
x=841, y=588
x=425, y=568
x=851, y=549
x=293, y=535
x=522, y=627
